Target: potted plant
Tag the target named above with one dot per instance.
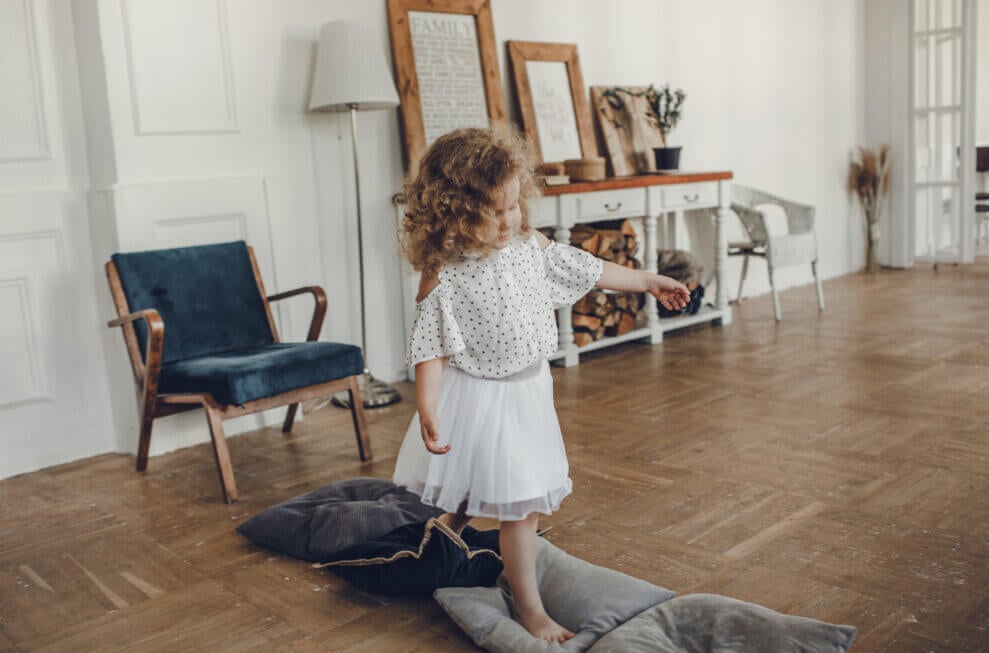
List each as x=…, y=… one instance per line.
x=662, y=110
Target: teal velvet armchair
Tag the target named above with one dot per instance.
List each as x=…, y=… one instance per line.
x=199, y=332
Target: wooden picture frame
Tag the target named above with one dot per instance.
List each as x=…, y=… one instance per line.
x=628, y=134
x=558, y=127
x=429, y=108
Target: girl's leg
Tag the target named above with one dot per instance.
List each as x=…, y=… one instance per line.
x=456, y=520
x=518, y=553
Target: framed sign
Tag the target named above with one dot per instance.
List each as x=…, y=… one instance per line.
x=550, y=92
x=447, y=68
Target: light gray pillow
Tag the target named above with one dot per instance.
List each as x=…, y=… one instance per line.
x=707, y=623
x=584, y=598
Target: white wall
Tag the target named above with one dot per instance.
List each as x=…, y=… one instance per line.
x=197, y=131
x=982, y=74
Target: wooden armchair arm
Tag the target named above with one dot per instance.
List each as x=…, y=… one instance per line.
x=149, y=315
x=152, y=354
x=319, y=310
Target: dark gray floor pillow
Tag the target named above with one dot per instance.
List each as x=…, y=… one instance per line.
x=708, y=623
x=317, y=525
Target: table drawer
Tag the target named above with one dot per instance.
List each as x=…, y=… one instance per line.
x=689, y=196
x=605, y=205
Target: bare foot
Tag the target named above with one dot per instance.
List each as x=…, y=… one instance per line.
x=540, y=625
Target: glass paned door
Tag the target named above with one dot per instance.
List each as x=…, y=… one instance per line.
x=942, y=133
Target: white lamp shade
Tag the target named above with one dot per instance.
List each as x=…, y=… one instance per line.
x=350, y=70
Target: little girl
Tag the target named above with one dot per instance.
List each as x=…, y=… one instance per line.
x=484, y=328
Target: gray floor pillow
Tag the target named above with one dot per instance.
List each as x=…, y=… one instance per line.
x=708, y=623
x=584, y=598
x=318, y=524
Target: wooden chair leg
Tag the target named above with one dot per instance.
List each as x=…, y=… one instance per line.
x=289, y=418
x=144, y=440
x=360, y=424
x=144, y=436
x=222, y=455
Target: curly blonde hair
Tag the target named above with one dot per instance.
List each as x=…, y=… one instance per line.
x=450, y=199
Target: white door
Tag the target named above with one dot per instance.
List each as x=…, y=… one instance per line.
x=941, y=166
x=54, y=400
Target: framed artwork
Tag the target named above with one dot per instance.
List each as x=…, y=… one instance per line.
x=628, y=134
x=549, y=88
x=446, y=64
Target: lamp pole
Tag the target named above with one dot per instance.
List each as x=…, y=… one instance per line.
x=374, y=393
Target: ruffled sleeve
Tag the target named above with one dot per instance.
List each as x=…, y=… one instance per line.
x=570, y=273
x=435, y=332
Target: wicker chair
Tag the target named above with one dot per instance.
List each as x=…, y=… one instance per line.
x=798, y=246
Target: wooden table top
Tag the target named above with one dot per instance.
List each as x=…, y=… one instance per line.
x=636, y=181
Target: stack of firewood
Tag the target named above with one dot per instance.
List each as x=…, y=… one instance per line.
x=613, y=241
x=599, y=313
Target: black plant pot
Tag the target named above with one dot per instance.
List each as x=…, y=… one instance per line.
x=667, y=158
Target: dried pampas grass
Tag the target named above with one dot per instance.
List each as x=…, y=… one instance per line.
x=868, y=178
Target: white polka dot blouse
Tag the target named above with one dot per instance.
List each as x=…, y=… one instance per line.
x=493, y=316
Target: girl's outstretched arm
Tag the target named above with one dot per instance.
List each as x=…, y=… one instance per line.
x=429, y=375
x=670, y=293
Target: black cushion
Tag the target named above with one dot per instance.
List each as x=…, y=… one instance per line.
x=420, y=558
x=243, y=375
x=317, y=525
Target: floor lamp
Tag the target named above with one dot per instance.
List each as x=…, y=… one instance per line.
x=351, y=75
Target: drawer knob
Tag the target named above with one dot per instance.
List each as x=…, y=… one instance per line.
x=611, y=208
x=692, y=198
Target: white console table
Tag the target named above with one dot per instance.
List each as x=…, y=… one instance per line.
x=642, y=196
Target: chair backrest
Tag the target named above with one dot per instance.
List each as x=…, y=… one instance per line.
x=799, y=217
x=208, y=298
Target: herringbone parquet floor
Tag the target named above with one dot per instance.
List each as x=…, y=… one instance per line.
x=834, y=465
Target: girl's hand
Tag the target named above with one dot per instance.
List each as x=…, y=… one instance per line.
x=672, y=294
x=431, y=433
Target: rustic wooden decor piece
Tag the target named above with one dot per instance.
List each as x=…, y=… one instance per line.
x=628, y=134
x=446, y=64
x=552, y=102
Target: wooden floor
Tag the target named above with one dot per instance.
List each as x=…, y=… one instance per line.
x=833, y=465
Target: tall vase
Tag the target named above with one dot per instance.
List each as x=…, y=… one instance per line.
x=872, y=242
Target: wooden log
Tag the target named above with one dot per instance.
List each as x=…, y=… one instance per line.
x=627, y=229
x=580, y=233
x=625, y=324
x=591, y=244
x=621, y=301
x=641, y=319
x=611, y=319
x=604, y=309
x=582, y=338
x=607, y=240
x=589, y=322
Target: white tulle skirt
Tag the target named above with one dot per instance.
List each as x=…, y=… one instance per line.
x=506, y=453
